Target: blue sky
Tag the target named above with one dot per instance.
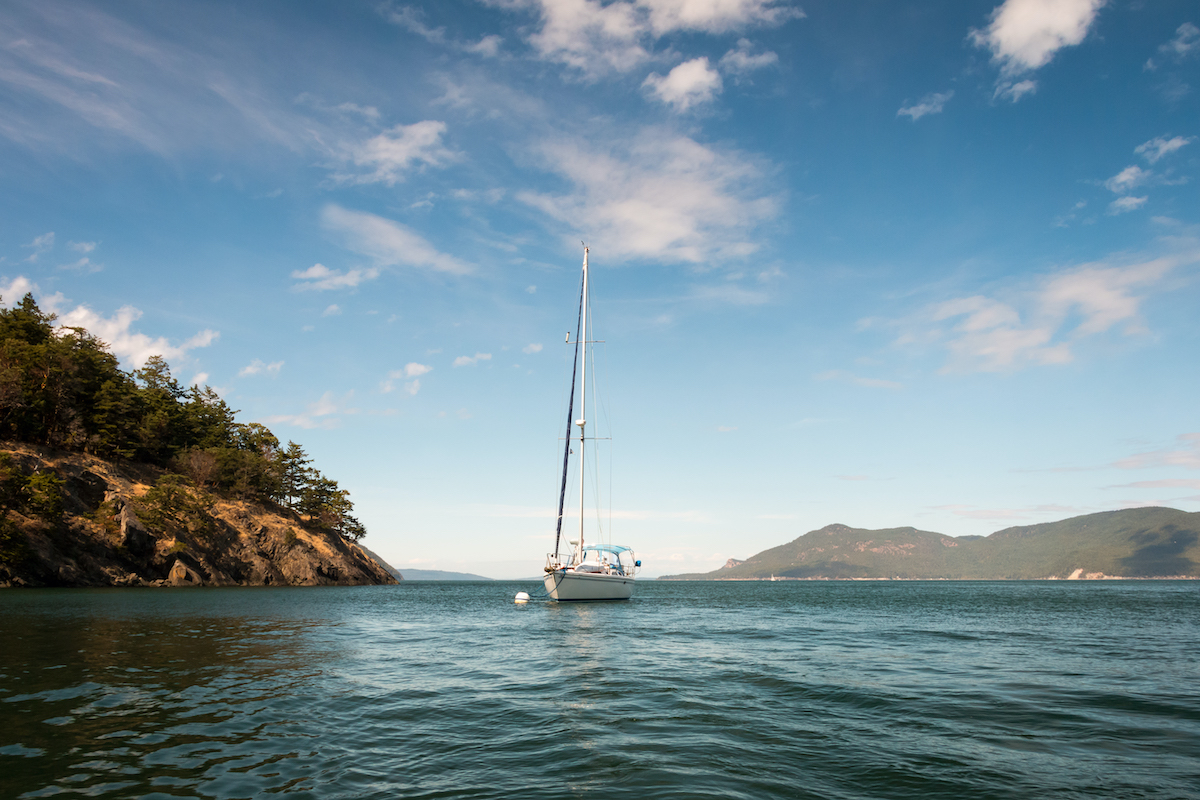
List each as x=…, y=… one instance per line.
x=884, y=264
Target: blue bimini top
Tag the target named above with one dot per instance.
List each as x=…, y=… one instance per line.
x=615, y=549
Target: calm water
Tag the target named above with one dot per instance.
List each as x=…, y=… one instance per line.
x=691, y=690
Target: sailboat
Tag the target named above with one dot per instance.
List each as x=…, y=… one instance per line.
x=586, y=570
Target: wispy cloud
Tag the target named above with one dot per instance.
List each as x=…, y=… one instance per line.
x=1186, y=42
x=1167, y=483
x=857, y=380
x=1160, y=146
x=388, y=156
x=1128, y=178
x=1042, y=324
x=930, y=104
x=658, y=195
x=741, y=61
x=324, y=413
x=319, y=277
x=1124, y=204
x=470, y=361
x=688, y=85
x=413, y=19
x=1014, y=91
x=1024, y=35
x=260, y=367
x=411, y=372
x=1186, y=455
x=1042, y=511
x=39, y=245
x=387, y=242
x=530, y=349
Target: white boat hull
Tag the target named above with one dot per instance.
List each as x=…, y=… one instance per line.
x=570, y=585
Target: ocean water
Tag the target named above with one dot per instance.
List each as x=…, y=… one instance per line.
x=690, y=690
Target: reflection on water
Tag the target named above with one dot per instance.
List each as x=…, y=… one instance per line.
x=689, y=690
x=139, y=691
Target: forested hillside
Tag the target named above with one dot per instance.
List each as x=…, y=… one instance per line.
x=110, y=477
x=1132, y=543
x=61, y=387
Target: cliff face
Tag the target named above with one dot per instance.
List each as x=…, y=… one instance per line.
x=77, y=520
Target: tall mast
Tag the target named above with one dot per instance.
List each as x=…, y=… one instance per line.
x=582, y=421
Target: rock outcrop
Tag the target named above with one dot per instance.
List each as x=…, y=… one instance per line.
x=111, y=529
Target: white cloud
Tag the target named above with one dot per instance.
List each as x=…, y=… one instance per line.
x=597, y=38
x=412, y=369
x=40, y=245
x=870, y=383
x=1024, y=35
x=692, y=83
x=930, y=104
x=387, y=242
x=321, y=278
x=726, y=428
x=530, y=289
x=17, y=288
x=1160, y=146
x=392, y=153
x=82, y=247
x=530, y=349
x=1124, y=204
x=321, y=414
x=133, y=348
x=741, y=61
x=1128, y=178
x=258, y=366
x=1041, y=325
x=332, y=310
x=470, y=361
x=657, y=195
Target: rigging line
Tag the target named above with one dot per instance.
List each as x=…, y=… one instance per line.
x=562, y=492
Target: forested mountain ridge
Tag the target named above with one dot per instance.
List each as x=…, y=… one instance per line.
x=1132, y=543
x=114, y=477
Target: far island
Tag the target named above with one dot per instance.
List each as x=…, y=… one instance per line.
x=1132, y=543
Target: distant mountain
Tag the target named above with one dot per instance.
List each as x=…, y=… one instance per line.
x=1133, y=543
x=422, y=574
x=440, y=575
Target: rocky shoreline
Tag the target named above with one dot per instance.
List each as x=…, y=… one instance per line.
x=116, y=525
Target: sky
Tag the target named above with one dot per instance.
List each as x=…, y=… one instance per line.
x=885, y=264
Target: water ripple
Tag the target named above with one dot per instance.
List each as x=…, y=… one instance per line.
x=756, y=690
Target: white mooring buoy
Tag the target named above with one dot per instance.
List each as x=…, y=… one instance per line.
x=522, y=597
